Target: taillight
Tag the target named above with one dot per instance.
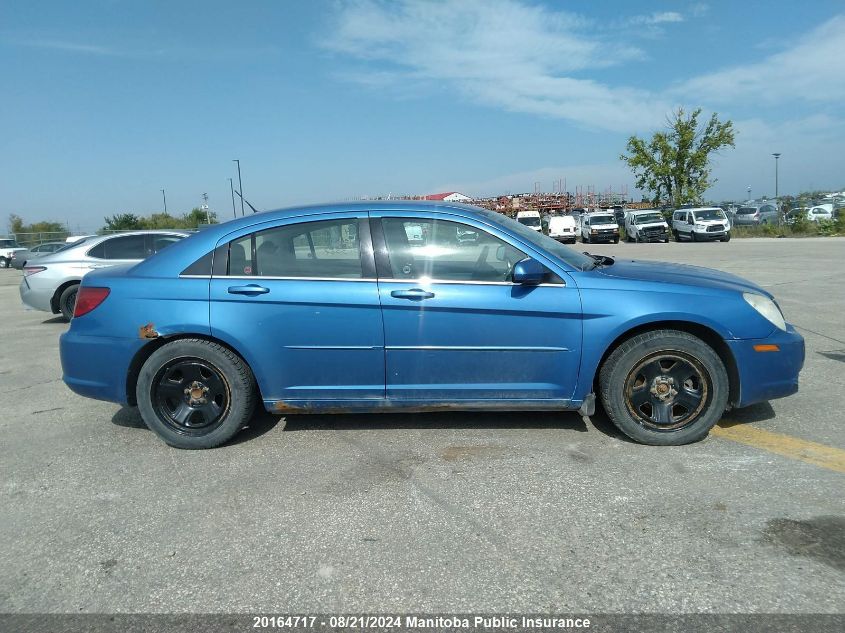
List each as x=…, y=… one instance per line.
x=31, y=270
x=89, y=298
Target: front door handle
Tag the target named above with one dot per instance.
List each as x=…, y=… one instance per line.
x=250, y=290
x=416, y=294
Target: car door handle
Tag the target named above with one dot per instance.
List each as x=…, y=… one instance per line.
x=250, y=290
x=414, y=293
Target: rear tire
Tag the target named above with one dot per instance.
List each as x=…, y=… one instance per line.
x=67, y=301
x=195, y=394
x=664, y=388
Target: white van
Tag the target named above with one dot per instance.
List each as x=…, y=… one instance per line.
x=646, y=225
x=701, y=224
x=531, y=219
x=562, y=228
x=600, y=227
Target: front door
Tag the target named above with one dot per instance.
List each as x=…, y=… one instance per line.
x=302, y=300
x=457, y=329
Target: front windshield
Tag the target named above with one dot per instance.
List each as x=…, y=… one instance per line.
x=529, y=221
x=602, y=219
x=710, y=214
x=646, y=218
x=553, y=247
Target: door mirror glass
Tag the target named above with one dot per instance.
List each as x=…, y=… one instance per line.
x=528, y=271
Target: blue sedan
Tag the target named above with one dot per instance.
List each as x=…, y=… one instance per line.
x=384, y=306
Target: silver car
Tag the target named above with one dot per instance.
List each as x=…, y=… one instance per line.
x=752, y=215
x=19, y=258
x=50, y=283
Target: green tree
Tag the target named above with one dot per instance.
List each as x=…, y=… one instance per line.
x=122, y=222
x=675, y=164
x=197, y=216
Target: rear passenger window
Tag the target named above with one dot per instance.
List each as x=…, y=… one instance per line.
x=326, y=249
x=126, y=247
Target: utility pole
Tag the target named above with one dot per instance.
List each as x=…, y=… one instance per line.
x=205, y=206
x=240, y=184
x=163, y=197
x=232, y=187
x=777, y=200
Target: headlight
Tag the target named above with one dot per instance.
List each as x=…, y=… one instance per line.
x=766, y=307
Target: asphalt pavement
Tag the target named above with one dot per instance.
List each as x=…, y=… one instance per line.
x=448, y=512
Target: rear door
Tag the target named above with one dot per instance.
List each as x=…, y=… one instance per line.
x=300, y=299
x=458, y=330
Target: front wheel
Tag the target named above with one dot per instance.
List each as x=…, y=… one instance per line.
x=664, y=388
x=67, y=301
x=195, y=393
x=727, y=237
x=4, y=263
x=676, y=235
x=616, y=240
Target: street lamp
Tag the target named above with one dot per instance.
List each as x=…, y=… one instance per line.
x=163, y=197
x=749, y=192
x=232, y=187
x=240, y=184
x=777, y=201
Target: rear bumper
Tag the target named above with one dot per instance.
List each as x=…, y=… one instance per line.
x=96, y=366
x=37, y=298
x=768, y=375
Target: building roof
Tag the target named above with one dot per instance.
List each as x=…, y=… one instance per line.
x=439, y=196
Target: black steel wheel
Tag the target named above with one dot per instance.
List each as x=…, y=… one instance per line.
x=195, y=393
x=664, y=387
x=191, y=396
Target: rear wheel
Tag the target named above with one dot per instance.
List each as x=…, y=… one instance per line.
x=195, y=393
x=665, y=387
x=67, y=301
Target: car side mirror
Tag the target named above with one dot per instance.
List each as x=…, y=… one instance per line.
x=528, y=271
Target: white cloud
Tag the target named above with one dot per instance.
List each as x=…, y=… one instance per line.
x=658, y=17
x=502, y=53
x=810, y=70
x=72, y=47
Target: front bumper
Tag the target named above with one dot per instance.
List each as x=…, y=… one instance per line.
x=768, y=375
x=97, y=366
x=569, y=238
x=654, y=237
x=604, y=237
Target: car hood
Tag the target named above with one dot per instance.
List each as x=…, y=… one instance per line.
x=680, y=274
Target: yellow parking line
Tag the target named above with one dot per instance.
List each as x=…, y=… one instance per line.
x=786, y=445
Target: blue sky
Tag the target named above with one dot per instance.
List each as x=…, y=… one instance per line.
x=106, y=102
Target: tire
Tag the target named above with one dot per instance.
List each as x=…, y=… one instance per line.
x=727, y=237
x=585, y=239
x=177, y=373
x=67, y=301
x=693, y=237
x=689, y=413
x=616, y=240
x=4, y=263
x=676, y=235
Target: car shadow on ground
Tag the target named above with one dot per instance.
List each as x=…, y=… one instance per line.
x=57, y=319
x=755, y=413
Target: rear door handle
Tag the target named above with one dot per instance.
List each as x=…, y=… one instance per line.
x=250, y=290
x=414, y=293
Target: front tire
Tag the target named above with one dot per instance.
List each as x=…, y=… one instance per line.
x=4, y=263
x=664, y=388
x=676, y=235
x=195, y=393
x=67, y=301
x=727, y=237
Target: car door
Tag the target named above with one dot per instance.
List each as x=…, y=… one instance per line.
x=458, y=330
x=299, y=298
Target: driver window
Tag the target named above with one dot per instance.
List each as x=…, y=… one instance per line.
x=439, y=249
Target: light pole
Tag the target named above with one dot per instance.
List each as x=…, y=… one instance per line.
x=163, y=197
x=749, y=192
x=777, y=201
x=232, y=187
x=240, y=184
